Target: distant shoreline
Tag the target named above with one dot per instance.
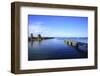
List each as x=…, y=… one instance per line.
x=42, y=38
x=35, y=38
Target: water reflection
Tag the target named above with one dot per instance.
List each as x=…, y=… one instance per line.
x=35, y=42
x=52, y=49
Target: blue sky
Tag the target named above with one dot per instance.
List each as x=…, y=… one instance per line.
x=58, y=26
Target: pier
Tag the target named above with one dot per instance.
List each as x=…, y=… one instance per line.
x=78, y=45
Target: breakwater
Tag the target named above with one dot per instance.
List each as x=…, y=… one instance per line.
x=78, y=45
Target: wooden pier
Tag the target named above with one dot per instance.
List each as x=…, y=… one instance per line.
x=78, y=45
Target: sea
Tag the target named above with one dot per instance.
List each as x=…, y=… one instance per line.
x=53, y=49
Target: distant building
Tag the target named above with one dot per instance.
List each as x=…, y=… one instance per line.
x=31, y=35
x=39, y=36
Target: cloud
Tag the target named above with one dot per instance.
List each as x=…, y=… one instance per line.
x=36, y=28
x=36, y=23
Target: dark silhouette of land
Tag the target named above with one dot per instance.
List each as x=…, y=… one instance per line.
x=39, y=37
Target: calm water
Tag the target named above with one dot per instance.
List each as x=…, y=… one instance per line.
x=55, y=49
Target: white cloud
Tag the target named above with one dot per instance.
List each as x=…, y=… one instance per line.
x=36, y=28
x=38, y=23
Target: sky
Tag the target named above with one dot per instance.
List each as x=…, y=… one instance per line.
x=57, y=26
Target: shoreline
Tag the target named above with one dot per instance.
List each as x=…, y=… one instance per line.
x=37, y=38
